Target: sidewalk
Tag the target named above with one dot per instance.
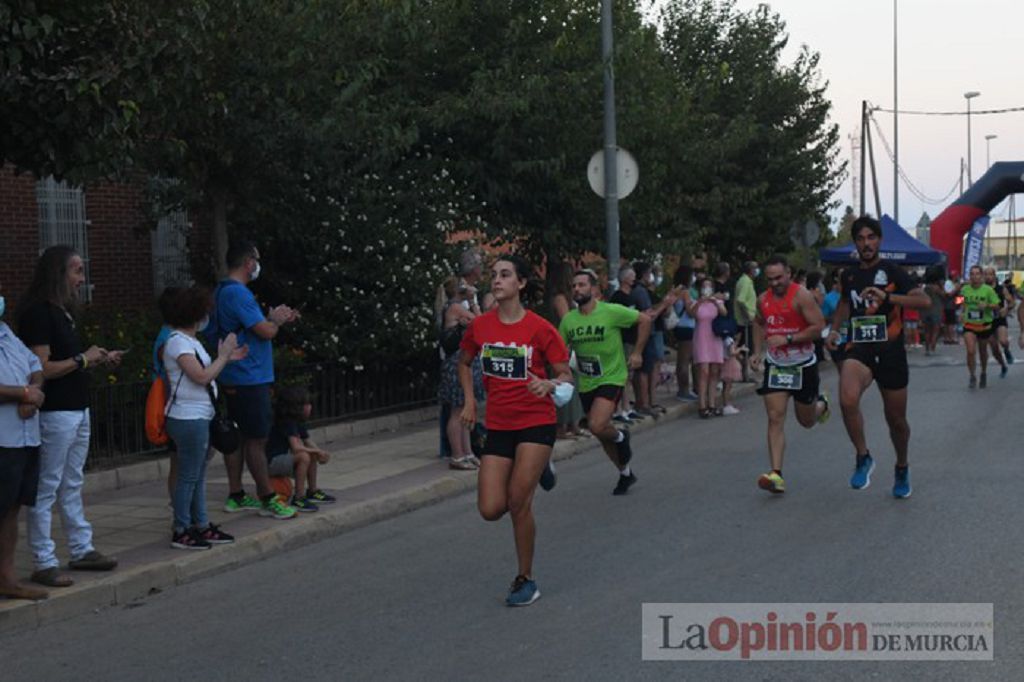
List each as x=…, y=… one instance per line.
x=375, y=477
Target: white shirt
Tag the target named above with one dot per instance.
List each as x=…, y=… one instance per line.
x=17, y=364
x=188, y=400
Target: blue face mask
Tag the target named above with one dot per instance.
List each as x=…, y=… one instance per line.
x=3, y=306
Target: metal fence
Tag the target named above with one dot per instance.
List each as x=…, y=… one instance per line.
x=340, y=393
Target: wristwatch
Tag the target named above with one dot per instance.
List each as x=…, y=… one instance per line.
x=80, y=361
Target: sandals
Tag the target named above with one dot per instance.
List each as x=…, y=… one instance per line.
x=51, y=577
x=705, y=412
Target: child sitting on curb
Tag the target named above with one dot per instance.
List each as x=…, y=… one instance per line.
x=290, y=451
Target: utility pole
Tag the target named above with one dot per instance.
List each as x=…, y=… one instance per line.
x=895, y=120
x=611, y=189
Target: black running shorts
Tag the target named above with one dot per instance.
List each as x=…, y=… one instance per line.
x=982, y=334
x=612, y=393
x=887, y=362
x=504, y=443
x=810, y=386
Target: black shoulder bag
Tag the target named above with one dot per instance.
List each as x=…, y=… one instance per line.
x=224, y=434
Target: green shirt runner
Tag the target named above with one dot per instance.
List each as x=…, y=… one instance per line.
x=597, y=340
x=976, y=318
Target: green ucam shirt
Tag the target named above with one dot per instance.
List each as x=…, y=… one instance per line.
x=597, y=340
x=976, y=319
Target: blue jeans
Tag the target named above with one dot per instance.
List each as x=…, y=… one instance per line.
x=192, y=438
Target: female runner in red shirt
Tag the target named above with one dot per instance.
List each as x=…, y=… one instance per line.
x=514, y=345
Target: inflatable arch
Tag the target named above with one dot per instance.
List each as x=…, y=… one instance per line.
x=948, y=229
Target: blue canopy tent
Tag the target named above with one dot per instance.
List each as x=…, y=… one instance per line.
x=897, y=246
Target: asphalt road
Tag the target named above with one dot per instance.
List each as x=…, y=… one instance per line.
x=419, y=597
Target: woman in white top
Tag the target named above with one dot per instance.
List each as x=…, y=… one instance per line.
x=190, y=410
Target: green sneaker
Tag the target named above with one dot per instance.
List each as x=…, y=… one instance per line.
x=247, y=503
x=277, y=509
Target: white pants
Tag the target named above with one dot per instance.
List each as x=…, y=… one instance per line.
x=64, y=447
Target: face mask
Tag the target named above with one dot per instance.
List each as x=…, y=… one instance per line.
x=563, y=394
x=658, y=280
x=255, y=273
x=203, y=323
x=757, y=272
x=3, y=306
x=707, y=292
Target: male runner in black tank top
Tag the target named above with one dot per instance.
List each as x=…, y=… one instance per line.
x=873, y=296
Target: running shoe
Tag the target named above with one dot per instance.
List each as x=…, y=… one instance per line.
x=303, y=504
x=548, y=477
x=973, y=383
x=633, y=415
x=771, y=482
x=1009, y=355
x=234, y=505
x=189, y=539
x=861, y=478
x=277, y=509
x=320, y=497
x=624, y=484
x=730, y=410
x=983, y=382
x=623, y=449
x=621, y=418
x=1003, y=371
x=215, y=536
x=523, y=592
x=686, y=397
x=827, y=414
x=901, y=483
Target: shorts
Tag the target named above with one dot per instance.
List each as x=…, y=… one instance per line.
x=999, y=322
x=888, y=363
x=249, y=407
x=981, y=334
x=910, y=324
x=612, y=393
x=19, y=477
x=683, y=333
x=281, y=465
x=810, y=386
x=504, y=443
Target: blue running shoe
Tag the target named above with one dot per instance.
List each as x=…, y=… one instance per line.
x=901, y=484
x=548, y=478
x=523, y=592
x=861, y=478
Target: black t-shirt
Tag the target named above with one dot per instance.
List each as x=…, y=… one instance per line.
x=45, y=324
x=277, y=442
x=726, y=288
x=622, y=298
x=887, y=277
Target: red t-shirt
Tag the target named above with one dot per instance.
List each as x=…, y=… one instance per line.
x=508, y=352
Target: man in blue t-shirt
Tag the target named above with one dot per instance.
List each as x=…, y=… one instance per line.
x=247, y=383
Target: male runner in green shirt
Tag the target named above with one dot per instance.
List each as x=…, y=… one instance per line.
x=594, y=331
x=980, y=300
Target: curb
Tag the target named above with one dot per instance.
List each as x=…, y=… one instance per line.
x=132, y=584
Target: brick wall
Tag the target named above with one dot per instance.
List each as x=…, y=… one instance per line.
x=120, y=256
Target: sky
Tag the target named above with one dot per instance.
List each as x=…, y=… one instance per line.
x=946, y=48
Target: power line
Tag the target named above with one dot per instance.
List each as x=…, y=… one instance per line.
x=903, y=176
x=946, y=113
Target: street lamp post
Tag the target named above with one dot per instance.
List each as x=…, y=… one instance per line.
x=988, y=150
x=969, y=96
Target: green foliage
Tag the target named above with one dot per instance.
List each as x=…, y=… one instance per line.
x=351, y=138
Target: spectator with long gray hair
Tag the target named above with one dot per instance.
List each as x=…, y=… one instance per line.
x=47, y=325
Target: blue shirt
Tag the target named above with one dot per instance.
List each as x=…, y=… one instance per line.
x=159, y=371
x=236, y=311
x=829, y=305
x=17, y=364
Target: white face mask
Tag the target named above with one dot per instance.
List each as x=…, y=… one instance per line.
x=757, y=272
x=707, y=292
x=658, y=280
x=563, y=394
x=203, y=323
x=255, y=273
